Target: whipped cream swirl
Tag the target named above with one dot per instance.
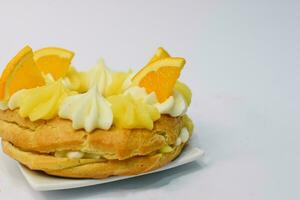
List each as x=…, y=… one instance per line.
x=89, y=110
x=99, y=75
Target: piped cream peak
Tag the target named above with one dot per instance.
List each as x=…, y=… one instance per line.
x=89, y=110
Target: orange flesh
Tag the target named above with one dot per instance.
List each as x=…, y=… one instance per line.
x=57, y=66
x=10, y=67
x=26, y=75
x=160, y=74
x=21, y=72
x=161, y=82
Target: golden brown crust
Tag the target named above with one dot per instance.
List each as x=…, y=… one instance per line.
x=58, y=134
x=44, y=162
x=90, y=168
x=122, y=151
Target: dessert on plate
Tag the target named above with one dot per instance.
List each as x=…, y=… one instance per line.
x=95, y=123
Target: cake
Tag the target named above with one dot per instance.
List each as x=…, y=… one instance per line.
x=95, y=123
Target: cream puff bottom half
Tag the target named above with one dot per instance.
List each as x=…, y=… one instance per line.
x=89, y=168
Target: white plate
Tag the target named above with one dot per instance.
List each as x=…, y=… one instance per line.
x=43, y=182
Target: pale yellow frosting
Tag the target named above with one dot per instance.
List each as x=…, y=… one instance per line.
x=129, y=112
x=39, y=103
x=108, y=82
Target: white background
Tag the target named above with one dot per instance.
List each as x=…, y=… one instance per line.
x=242, y=65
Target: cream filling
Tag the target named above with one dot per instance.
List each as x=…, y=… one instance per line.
x=77, y=155
x=181, y=139
x=184, y=135
x=3, y=105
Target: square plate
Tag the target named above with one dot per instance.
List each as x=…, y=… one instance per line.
x=42, y=182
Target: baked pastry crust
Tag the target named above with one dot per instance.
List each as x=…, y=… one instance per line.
x=122, y=151
x=90, y=168
x=58, y=135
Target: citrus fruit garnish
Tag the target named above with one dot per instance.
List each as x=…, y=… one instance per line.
x=160, y=74
x=53, y=60
x=159, y=54
x=20, y=73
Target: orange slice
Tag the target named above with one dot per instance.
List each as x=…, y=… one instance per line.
x=159, y=54
x=53, y=60
x=160, y=74
x=20, y=73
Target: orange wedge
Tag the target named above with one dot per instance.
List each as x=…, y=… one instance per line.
x=160, y=74
x=159, y=54
x=53, y=60
x=20, y=73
